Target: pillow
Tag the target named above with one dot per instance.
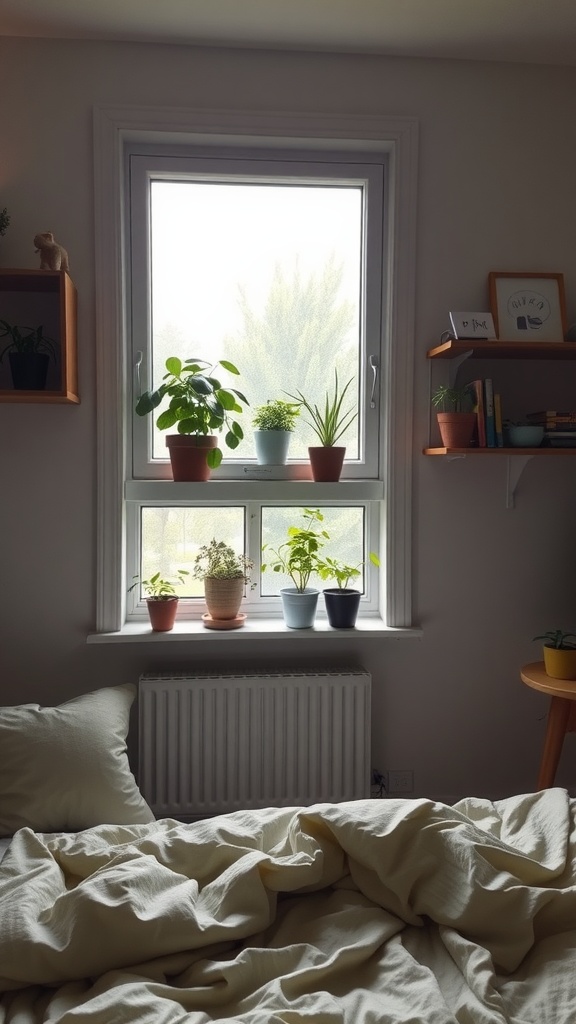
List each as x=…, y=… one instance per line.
x=64, y=769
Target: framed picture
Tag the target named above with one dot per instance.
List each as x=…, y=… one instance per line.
x=528, y=307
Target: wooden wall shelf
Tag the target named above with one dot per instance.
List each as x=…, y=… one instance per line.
x=47, y=297
x=504, y=350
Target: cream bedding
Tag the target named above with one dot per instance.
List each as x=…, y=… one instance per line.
x=371, y=911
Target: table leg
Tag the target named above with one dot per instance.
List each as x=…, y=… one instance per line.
x=558, y=715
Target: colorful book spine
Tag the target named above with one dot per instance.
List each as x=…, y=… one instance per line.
x=477, y=391
x=489, y=413
x=498, y=421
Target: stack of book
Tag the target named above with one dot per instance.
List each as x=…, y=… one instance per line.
x=559, y=427
x=488, y=409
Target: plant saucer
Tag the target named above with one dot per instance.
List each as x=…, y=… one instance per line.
x=234, y=623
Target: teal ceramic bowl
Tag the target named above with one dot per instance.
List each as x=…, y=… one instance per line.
x=525, y=436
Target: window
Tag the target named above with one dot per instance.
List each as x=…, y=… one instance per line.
x=284, y=260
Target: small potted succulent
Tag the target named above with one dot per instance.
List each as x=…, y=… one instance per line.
x=329, y=422
x=200, y=408
x=299, y=558
x=342, y=601
x=274, y=424
x=162, y=599
x=29, y=352
x=225, y=574
x=559, y=652
x=455, y=422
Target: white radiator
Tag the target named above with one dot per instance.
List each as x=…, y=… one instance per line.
x=211, y=744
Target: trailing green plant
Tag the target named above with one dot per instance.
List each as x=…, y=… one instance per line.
x=26, y=340
x=558, y=639
x=343, y=574
x=197, y=402
x=331, y=421
x=219, y=561
x=159, y=588
x=276, y=415
x=4, y=221
x=299, y=556
x=451, y=399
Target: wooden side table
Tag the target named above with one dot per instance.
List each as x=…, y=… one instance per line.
x=561, y=716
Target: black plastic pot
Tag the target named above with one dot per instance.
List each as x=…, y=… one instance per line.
x=342, y=606
x=29, y=370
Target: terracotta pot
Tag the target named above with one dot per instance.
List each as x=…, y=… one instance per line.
x=326, y=463
x=224, y=597
x=162, y=613
x=188, y=455
x=456, y=428
x=560, y=664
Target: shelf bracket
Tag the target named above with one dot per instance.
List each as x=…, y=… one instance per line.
x=515, y=466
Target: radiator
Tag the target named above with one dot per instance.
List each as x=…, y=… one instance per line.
x=211, y=744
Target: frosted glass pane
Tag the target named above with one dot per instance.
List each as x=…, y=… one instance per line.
x=345, y=527
x=171, y=537
x=267, y=276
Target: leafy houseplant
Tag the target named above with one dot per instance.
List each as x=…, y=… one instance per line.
x=299, y=557
x=29, y=351
x=274, y=423
x=559, y=653
x=455, y=423
x=329, y=422
x=200, y=408
x=225, y=574
x=162, y=599
x=342, y=602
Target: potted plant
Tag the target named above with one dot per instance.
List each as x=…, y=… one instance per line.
x=200, y=408
x=162, y=599
x=342, y=601
x=559, y=654
x=274, y=423
x=226, y=575
x=29, y=352
x=299, y=557
x=455, y=423
x=329, y=423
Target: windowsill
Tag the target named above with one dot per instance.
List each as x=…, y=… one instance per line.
x=254, y=629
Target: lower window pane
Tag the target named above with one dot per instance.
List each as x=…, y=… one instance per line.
x=346, y=530
x=171, y=537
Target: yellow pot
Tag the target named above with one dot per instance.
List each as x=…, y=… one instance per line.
x=560, y=664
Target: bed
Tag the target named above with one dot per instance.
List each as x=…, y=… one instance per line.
x=369, y=911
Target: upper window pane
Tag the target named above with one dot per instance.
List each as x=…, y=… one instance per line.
x=267, y=276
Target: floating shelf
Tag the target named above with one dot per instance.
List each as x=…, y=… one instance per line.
x=504, y=350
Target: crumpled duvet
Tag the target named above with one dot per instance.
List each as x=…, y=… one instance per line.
x=363, y=912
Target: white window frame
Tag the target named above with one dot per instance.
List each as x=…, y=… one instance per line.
x=143, y=165
x=394, y=137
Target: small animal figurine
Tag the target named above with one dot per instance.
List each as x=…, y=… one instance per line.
x=52, y=255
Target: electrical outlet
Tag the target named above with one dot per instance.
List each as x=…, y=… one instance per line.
x=400, y=781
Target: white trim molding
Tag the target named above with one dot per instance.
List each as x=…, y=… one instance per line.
x=396, y=136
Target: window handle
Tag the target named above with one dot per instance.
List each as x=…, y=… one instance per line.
x=374, y=367
x=137, y=365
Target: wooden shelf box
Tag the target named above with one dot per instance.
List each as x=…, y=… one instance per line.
x=29, y=298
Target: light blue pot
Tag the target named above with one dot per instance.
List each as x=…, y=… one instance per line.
x=272, y=446
x=299, y=607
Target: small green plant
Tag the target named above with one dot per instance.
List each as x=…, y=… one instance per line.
x=26, y=340
x=330, y=422
x=198, y=404
x=219, y=561
x=343, y=574
x=558, y=639
x=276, y=415
x=299, y=556
x=450, y=399
x=159, y=588
x=4, y=221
